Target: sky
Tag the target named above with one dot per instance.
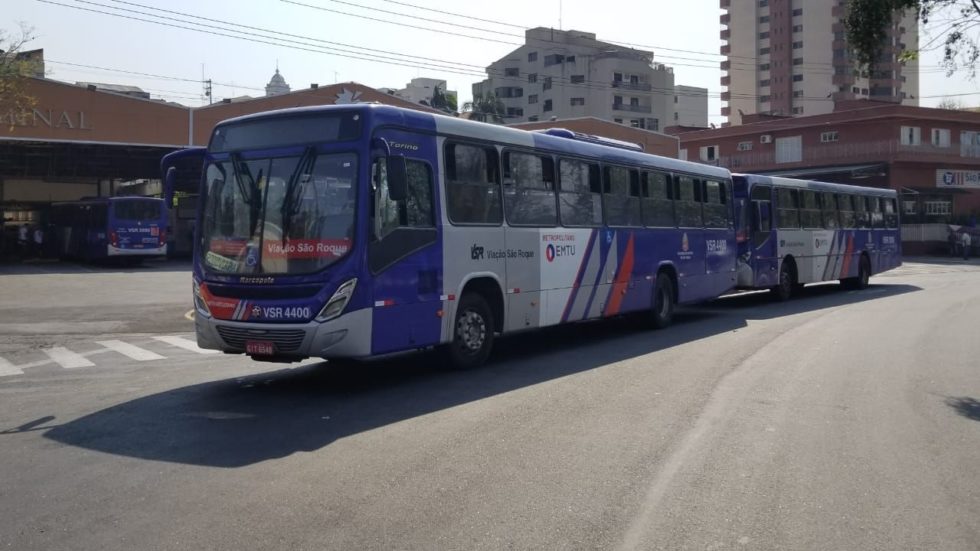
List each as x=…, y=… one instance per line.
x=379, y=43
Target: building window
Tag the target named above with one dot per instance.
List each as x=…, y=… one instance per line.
x=515, y=112
x=532, y=78
x=789, y=150
x=763, y=35
x=654, y=124
x=532, y=56
x=532, y=99
x=553, y=59
x=764, y=19
x=636, y=123
x=512, y=72
x=634, y=102
x=709, y=153
x=911, y=135
x=763, y=83
x=798, y=61
x=797, y=93
x=547, y=105
x=798, y=44
x=936, y=208
x=547, y=83
x=570, y=59
x=832, y=136
x=682, y=154
x=765, y=99
x=578, y=79
x=764, y=51
x=578, y=101
x=940, y=137
x=910, y=207
x=618, y=121
x=797, y=110
x=675, y=116
x=533, y=118
x=764, y=67
x=744, y=146
x=797, y=78
x=763, y=3
x=797, y=28
x=797, y=11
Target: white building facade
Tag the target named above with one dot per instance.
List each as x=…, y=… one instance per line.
x=569, y=74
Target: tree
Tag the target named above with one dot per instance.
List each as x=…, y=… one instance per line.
x=443, y=100
x=952, y=104
x=954, y=27
x=15, y=68
x=486, y=108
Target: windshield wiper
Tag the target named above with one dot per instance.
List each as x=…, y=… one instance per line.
x=289, y=201
x=251, y=194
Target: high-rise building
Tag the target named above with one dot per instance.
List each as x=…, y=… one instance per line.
x=569, y=74
x=790, y=58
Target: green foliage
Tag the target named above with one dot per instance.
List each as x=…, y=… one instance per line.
x=14, y=70
x=949, y=24
x=486, y=108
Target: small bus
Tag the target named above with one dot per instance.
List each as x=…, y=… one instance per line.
x=794, y=232
x=361, y=230
x=126, y=228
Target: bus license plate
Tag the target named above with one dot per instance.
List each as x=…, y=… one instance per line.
x=259, y=348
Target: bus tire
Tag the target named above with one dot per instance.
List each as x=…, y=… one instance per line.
x=783, y=290
x=472, y=333
x=662, y=304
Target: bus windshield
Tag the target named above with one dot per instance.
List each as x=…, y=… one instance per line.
x=283, y=215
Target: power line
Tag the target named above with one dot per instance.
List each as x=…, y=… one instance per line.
x=455, y=14
x=150, y=75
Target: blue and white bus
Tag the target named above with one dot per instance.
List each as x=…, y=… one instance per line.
x=799, y=232
x=361, y=230
x=125, y=228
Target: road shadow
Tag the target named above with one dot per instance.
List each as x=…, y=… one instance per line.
x=67, y=267
x=965, y=406
x=237, y=422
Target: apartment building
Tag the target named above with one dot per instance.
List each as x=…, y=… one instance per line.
x=571, y=74
x=790, y=57
x=422, y=90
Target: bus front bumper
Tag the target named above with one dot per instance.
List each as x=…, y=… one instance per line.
x=148, y=251
x=348, y=336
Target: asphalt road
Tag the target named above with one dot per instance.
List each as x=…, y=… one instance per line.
x=841, y=420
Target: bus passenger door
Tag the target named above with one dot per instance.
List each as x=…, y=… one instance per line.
x=762, y=239
x=405, y=260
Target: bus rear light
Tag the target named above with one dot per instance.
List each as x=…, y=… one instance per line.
x=114, y=239
x=335, y=306
x=163, y=236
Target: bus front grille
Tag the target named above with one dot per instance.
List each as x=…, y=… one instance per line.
x=286, y=340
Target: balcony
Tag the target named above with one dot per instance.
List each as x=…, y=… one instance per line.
x=725, y=4
x=726, y=34
x=638, y=86
x=726, y=49
x=726, y=65
x=726, y=18
x=885, y=151
x=726, y=80
x=632, y=108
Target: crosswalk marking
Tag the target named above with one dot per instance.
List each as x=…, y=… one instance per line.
x=186, y=344
x=131, y=351
x=7, y=368
x=66, y=358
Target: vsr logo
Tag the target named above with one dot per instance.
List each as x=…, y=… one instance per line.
x=476, y=252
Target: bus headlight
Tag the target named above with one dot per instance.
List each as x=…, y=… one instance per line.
x=200, y=304
x=335, y=306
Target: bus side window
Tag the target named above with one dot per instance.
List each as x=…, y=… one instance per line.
x=416, y=211
x=580, y=197
x=622, y=196
x=657, y=203
x=688, y=202
x=861, y=214
x=472, y=185
x=787, y=209
x=846, y=204
x=874, y=207
x=715, y=205
x=810, y=216
x=761, y=201
x=891, y=214
x=529, y=189
x=828, y=209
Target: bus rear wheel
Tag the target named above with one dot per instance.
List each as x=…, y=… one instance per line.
x=862, y=280
x=663, y=301
x=472, y=333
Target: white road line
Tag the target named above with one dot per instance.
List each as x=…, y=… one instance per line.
x=7, y=368
x=186, y=344
x=131, y=351
x=66, y=358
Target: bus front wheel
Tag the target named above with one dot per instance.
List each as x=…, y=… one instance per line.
x=663, y=301
x=472, y=333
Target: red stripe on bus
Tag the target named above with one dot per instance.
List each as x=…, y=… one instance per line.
x=622, y=281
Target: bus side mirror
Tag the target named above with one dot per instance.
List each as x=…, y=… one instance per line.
x=170, y=181
x=397, y=178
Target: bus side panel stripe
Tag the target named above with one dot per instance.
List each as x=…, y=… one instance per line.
x=845, y=270
x=615, y=301
x=598, y=283
x=580, y=277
